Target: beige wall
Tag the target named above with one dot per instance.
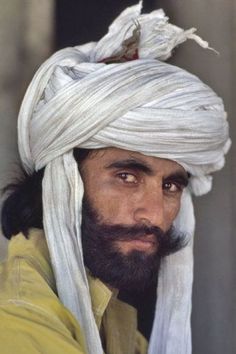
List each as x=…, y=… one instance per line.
x=26, y=28
x=214, y=287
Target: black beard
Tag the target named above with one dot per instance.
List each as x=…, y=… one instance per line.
x=135, y=270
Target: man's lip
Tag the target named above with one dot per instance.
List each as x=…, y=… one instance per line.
x=141, y=243
x=145, y=238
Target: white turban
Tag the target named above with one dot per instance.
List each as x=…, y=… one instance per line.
x=144, y=105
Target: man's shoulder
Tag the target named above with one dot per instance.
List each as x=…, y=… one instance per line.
x=27, y=288
x=26, y=277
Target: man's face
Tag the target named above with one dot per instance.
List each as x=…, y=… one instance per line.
x=129, y=200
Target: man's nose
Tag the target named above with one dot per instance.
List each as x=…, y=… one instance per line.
x=150, y=208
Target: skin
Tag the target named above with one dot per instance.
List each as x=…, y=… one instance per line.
x=129, y=188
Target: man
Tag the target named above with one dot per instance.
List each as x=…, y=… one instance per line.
x=118, y=140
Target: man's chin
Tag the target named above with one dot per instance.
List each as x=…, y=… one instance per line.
x=135, y=270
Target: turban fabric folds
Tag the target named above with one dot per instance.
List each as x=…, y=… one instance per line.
x=143, y=105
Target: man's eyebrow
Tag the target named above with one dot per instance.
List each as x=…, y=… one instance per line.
x=132, y=165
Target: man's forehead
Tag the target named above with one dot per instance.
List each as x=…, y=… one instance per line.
x=112, y=156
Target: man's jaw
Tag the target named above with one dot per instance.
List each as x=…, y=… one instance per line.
x=125, y=256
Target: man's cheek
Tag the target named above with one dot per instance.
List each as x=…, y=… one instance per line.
x=110, y=208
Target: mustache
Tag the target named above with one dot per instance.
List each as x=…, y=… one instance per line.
x=128, y=233
x=168, y=242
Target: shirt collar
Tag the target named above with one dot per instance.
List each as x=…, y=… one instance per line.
x=100, y=297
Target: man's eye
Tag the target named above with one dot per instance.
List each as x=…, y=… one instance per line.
x=128, y=177
x=172, y=187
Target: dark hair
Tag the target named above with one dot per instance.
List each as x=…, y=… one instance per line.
x=22, y=208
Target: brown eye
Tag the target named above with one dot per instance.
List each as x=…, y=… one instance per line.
x=171, y=187
x=128, y=177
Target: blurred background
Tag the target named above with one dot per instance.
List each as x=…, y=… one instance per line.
x=31, y=30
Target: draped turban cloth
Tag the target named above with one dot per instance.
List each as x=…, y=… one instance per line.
x=77, y=100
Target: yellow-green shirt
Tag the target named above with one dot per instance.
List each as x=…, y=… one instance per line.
x=33, y=320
